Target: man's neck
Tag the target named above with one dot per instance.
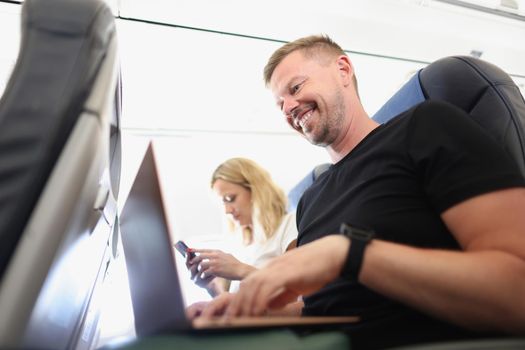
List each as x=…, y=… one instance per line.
x=357, y=131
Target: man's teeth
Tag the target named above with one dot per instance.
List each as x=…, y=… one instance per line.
x=305, y=119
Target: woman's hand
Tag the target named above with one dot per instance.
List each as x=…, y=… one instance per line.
x=214, y=263
x=196, y=275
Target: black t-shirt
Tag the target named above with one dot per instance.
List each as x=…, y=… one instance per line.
x=397, y=181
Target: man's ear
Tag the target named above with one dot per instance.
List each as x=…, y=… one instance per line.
x=346, y=70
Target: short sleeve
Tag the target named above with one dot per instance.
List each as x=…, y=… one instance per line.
x=289, y=231
x=454, y=157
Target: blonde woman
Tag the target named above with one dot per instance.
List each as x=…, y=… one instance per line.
x=256, y=208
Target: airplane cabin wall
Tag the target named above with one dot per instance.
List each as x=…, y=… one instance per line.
x=192, y=79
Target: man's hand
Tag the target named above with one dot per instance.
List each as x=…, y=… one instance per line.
x=212, y=308
x=298, y=272
x=195, y=309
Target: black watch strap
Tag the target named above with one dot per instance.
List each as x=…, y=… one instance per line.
x=359, y=239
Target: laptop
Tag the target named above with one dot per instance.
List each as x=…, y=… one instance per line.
x=156, y=293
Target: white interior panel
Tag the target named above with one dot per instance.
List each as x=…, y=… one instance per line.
x=412, y=29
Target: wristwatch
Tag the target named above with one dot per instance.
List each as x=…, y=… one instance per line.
x=359, y=239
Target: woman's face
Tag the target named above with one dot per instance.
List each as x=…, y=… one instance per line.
x=237, y=201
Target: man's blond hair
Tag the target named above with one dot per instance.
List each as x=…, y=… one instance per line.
x=314, y=46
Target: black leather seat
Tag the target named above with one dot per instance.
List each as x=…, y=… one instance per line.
x=493, y=100
x=59, y=174
x=297, y=191
x=482, y=89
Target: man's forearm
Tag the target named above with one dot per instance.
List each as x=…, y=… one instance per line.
x=291, y=309
x=478, y=290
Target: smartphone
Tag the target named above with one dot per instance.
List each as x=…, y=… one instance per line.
x=184, y=249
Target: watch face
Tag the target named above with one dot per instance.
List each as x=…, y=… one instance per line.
x=356, y=233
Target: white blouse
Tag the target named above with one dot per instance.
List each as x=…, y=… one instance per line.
x=262, y=249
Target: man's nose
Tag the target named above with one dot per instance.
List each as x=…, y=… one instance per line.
x=289, y=105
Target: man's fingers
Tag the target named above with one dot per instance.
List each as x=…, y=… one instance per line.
x=282, y=299
x=266, y=293
x=194, y=310
x=233, y=309
x=216, y=306
x=259, y=292
x=247, y=301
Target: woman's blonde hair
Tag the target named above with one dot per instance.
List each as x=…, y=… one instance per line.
x=268, y=199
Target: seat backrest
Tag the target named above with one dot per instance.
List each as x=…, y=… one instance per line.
x=481, y=89
x=297, y=191
x=57, y=195
x=408, y=96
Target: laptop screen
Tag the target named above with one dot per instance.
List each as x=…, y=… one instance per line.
x=155, y=288
x=154, y=285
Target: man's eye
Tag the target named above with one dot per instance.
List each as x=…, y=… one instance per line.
x=296, y=88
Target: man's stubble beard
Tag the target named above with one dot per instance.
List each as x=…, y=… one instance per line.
x=330, y=126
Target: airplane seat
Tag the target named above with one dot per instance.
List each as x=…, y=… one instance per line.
x=297, y=191
x=59, y=175
x=480, y=88
x=493, y=100
x=409, y=95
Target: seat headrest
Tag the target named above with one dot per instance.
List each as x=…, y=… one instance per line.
x=486, y=93
x=481, y=89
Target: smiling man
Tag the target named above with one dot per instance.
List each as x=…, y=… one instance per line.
x=434, y=232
